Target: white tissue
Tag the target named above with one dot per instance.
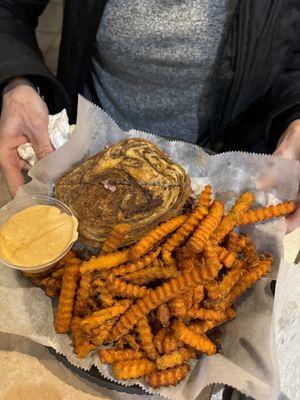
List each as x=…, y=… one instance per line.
x=59, y=133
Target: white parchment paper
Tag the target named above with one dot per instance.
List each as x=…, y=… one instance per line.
x=260, y=344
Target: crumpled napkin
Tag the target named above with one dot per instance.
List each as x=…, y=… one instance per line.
x=59, y=133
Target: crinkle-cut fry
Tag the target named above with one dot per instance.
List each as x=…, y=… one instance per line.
x=109, y=356
x=242, y=205
x=133, y=369
x=140, y=264
x=188, y=299
x=146, y=338
x=58, y=273
x=235, y=242
x=99, y=284
x=120, y=344
x=206, y=314
x=159, y=338
x=83, y=293
x=92, y=304
x=107, y=261
x=162, y=294
x=99, y=317
x=226, y=257
x=52, y=286
x=250, y=250
x=70, y=259
x=66, y=299
x=163, y=315
x=205, y=197
x=206, y=227
x=219, y=290
x=107, y=299
x=100, y=334
x=203, y=326
x=270, y=212
x=123, y=289
x=198, y=295
x=81, y=342
x=189, y=225
x=53, y=291
x=150, y=274
x=115, y=239
x=147, y=243
x=171, y=343
x=258, y=268
x=199, y=342
x=176, y=357
x=131, y=341
x=212, y=264
x=178, y=307
x=170, y=376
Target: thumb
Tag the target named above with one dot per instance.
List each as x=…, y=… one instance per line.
x=40, y=140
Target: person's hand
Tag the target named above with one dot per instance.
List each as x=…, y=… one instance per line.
x=24, y=118
x=289, y=147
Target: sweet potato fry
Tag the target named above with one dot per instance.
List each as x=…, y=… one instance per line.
x=150, y=274
x=101, y=334
x=147, y=243
x=187, y=336
x=206, y=227
x=255, y=272
x=136, y=266
x=131, y=341
x=176, y=357
x=189, y=225
x=270, y=212
x=66, y=299
x=235, y=243
x=123, y=289
x=170, y=376
x=83, y=293
x=200, y=327
x=171, y=343
x=226, y=257
x=107, y=299
x=109, y=356
x=154, y=299
x=198, y=295
x=163, y=315
x=219, y=290
x=242, y=205
x=159, y=338
x=107, y=261
x=81, y=341
x=99, y=317
x=146, y=338
x=178, y=307
x=115, y=239
x=133, y=369
x=207, y=314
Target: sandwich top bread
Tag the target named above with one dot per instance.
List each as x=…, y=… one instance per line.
x=130, y=182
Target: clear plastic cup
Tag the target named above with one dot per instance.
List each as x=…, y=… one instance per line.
x=21, y=203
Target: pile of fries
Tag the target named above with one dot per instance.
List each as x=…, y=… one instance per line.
x=150, y=308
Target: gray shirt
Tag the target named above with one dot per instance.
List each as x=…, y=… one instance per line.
x=153, y=61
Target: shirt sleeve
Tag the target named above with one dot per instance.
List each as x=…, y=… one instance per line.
x=20, y=54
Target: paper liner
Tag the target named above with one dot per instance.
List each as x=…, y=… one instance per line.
x=248, y=361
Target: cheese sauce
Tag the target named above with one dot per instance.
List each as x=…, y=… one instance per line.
x=36, y=235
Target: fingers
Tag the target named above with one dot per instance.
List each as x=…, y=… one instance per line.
x=293, y=221
x=286, y=152
x=40, y=138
